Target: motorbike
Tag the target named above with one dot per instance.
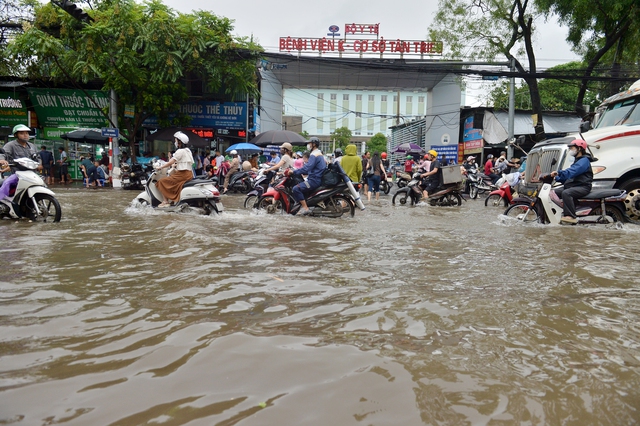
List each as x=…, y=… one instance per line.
x=447, y=195
x=135, y=176
x=325, y=201
x=602, y=206
x=402, y=178
x=241, y=181
x=259, y=185
x=503, y=196
x=385, y=185
x=478, y=183
x=198, y=195
x=24, y=194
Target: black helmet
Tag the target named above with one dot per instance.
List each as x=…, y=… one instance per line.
x=314, y=141
x=337, y=152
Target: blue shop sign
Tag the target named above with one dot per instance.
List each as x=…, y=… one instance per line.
x=451, y=151
x=226, y=115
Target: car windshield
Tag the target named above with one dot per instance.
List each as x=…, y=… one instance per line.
x=621, y=113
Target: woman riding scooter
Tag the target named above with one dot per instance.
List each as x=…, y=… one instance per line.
x=171, y=186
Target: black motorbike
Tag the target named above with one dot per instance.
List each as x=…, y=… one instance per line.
x=135, y=176
x=478, y=183
x=241, y=182
x=446, y=195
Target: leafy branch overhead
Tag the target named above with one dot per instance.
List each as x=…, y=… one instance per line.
x=147, y=53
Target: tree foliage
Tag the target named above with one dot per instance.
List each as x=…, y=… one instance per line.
x=555, y=95
x=13, y=15
x=488, y=29
x=604, y=32
x=378, y=143
x=145, y=52
x=342, y=137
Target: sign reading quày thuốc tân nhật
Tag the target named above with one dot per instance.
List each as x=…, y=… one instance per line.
x=69, y=107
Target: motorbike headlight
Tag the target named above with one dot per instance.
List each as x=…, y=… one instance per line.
x=598, y=169
x=132, y=174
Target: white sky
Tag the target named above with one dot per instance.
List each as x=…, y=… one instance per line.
x=406, y=20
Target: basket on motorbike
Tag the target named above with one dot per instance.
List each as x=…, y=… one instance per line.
x=451, y=175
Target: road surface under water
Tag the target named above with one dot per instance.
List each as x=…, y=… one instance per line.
x=399, y=316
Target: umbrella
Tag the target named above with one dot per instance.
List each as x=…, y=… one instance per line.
x=407, y=148
x=93, y=136
x=244, y=148
x=167, y=135
x=278, y=137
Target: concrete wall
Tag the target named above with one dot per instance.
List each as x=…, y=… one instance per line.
x=443, y=112
x=270, y=102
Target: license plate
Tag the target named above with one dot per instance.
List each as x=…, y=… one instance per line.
x=143, y=182
x=220, y=207
x=125, y=180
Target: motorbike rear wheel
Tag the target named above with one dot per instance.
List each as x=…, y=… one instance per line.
x=343, y=204
x=495, y=200
x=49, y=207
x=473, y=192
x=615, y=214
x=271, y=205
x=250, y=201
x=522, y=212
x=385, y=187
x=451, y=199
x=401, y=183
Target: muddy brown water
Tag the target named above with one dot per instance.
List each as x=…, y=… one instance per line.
x=399, y=316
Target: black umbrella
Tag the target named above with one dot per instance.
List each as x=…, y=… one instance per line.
x=93, y=136
x=278, y=137
x=167, y=135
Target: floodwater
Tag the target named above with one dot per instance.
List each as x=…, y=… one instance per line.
x=399, y=316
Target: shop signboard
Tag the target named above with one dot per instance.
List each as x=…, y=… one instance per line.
x=13, y=109
x=472, y=138
x=451, y=151
x=56, y=133
x=69, y=107
x=217, y=115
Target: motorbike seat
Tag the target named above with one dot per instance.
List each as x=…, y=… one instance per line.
x=602, y=193
x=197, y=181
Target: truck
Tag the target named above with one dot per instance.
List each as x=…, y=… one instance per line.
x=613, y=138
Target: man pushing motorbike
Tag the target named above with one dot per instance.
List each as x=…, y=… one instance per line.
x=576, y=179
x=313, y=169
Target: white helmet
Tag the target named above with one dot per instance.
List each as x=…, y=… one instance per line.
x=20, y=128
x=181, y=137
x=233, y=152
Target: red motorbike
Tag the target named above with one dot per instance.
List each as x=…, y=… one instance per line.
x=325, y=201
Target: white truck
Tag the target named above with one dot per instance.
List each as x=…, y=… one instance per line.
x=614, y=140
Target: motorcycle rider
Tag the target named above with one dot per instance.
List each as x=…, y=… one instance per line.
x=337, y=155
x=286, y=160
x=314, y=169
x=20, y=147
x=577, y=180
x=234, y=166
x=433, y=176
x=171, y=186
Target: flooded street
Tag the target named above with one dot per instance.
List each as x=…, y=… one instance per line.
x=399, y=316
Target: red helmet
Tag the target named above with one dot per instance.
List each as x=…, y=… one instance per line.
x=383, y=155
x=579, y=143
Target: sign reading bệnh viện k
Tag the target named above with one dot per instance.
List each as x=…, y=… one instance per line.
x=13, y=110
x=69, y=108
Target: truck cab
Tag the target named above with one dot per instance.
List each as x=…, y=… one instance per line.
x=614, y=141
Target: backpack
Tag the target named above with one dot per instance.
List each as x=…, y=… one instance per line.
x=332, y=175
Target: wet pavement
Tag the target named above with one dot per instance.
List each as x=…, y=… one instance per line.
x=121, y=315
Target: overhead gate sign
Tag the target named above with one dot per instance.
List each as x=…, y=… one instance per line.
x=361, y=39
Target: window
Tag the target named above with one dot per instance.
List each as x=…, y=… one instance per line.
x=358, y=97
x=345, y=97
x=383, y=98
x=357, y=133
x=420, y=99
x=372, y=98
x=395, y=98
x=409, y=99
x=369, y=133
x=334, y=97
x=321, y=96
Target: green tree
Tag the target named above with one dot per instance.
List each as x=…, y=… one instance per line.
x=602, y=31
x=486, y=29
x=144, y=52
x=378, y=143
x=557, y=95
x=342, y=137
x=13, y=15
x=305, y=134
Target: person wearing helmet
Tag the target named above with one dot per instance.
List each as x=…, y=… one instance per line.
x=285, y=162
x=385, y=162
x=432, y=179
x=314, y=169
x=577, y=180
x=408, y=164
x=234, y=166
x=20, y=147
x=337, y=155
x=171, y=186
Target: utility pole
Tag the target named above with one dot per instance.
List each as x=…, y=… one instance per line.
x=512, y=108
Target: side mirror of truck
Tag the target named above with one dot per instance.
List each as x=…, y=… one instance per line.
x=585, y=126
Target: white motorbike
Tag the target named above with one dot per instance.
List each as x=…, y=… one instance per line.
x=24, y=195
x=198, y=195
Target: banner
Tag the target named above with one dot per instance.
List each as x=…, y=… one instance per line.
x=450, y=151
x=13, y=110
x=472, y=138
x=69, y=107
x=217, y=115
